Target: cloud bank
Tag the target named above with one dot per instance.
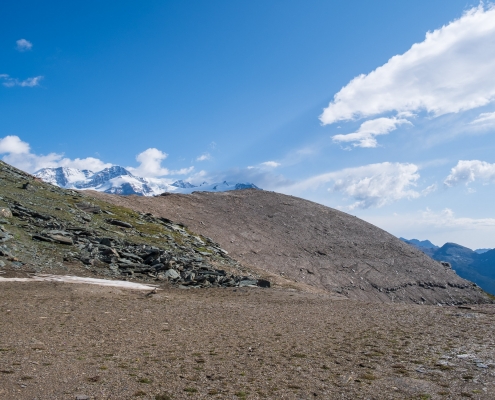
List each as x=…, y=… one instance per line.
x=18, y=153
x=452, y=70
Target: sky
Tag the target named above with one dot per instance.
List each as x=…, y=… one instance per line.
x=384, y=109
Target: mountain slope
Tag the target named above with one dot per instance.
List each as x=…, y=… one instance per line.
x=310, y=243
x=118, y=180
x=46, y=229
x=469, y=264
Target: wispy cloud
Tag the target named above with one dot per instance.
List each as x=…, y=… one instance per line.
x=8, y=81
x=450, y=71
x=23, y=45
x=438, y=226
x=204, y=157
x=365, y=135
x=270, y=164
x=467, y=171
x=373, y=185
x=485, y=119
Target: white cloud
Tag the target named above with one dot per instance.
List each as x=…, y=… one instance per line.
x=373, y=185
x=447, y=219
x=18, y=153
x=485, y=119
x=452, y=70
x=24, y=45
x=150, y=165
x=182, y=171
x=270, y=164
x=14, y=145
x=365, y=135
x=467, y=171
x=91, y=163
x=204, y=157
x=29, y=82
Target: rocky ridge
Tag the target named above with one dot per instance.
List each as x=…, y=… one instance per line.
x=46, y=228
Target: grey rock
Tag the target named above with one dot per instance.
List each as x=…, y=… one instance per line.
x=82, y=397
x=2, y=264
x=106, y=241
x=88, y=207
x=61, y=239
x=263, y=283
x=42, y=238
x=172, y=274
x=248, y=283
x=118, y=222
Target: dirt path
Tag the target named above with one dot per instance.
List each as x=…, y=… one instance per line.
x=64, y=341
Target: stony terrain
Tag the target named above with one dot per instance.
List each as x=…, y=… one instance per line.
x=66, y=341
x=312, y=244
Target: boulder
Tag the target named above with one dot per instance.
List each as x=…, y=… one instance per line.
x=5, y=212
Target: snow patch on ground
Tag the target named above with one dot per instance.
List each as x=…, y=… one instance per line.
x=78, y=279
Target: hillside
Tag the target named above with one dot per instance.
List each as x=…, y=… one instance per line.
x=45, y=229
x=311, y=244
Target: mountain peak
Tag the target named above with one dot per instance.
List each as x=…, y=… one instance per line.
x=119, y=180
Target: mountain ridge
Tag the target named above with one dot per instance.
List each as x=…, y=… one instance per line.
x=469, y=264
x=119, y=180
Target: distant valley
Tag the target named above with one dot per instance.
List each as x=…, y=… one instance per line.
x=475, y=265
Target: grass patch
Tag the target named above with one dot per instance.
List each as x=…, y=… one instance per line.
x=144, y=380
x=163, y=396
x=368, y=376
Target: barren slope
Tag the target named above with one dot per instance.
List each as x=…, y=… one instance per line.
x=310, y=243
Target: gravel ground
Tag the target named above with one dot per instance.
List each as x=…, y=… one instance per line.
x=67, y=341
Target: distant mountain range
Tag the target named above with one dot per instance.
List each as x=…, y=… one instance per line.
x=118, y=180
x=475, y=265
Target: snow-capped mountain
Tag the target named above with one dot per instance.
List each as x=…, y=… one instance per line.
x=63, y=177
x=118, y=180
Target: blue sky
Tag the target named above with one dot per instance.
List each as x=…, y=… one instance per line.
x=350, y=104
